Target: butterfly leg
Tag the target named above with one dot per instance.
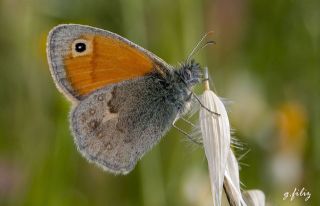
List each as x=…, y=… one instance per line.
x=203, y=106
x=185, y=133
x=188, y=122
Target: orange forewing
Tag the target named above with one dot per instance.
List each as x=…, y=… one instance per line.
x=109, y=61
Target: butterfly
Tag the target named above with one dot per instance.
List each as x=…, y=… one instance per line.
x=124, y=98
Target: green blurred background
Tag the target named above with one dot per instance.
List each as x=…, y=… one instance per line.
x=267, y=61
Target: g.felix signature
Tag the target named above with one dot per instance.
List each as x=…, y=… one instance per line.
x=297, y=193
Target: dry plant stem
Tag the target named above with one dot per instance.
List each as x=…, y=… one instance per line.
x=207, y=87
x=230, y=200
x=206, y=79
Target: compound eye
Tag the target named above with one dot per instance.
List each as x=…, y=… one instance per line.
x=81, y=47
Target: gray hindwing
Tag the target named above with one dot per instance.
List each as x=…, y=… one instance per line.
x=116, y=125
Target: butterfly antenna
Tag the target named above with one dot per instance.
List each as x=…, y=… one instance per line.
x=197, y=48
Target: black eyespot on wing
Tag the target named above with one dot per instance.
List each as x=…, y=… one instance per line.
x=80, y=47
